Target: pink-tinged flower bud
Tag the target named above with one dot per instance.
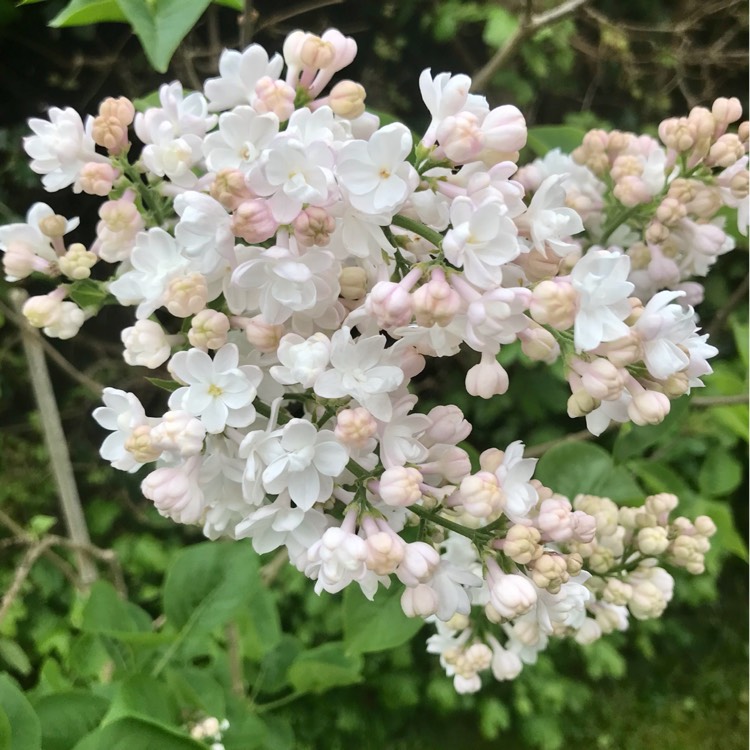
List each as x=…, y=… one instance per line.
x=390, y=304
x=419, y=601
x=313, y=226
x=146, y=344
x=487, y=379
x=652, y=540
x=436, y=302
x=677, y=133
x=208, y=329
x=538, y=344
x=448, y=426
x=600, y=378
x=656, y=233
x=460, y=137
x=554, y=518
x=355, y=427
x=626, y=165
x=263, y=336
x=632, y=191
x=175, y=493
x=77, y=262
x=703, y=124
x=512, y=595
x=581, y=403
x=229, y=189
x=353, y=282
x=452, y=464
x=253, y=221
x=53, y=226
x=179, y=432
x=648, y=407
x=491, y=459
x=554, y=303
x=399, y=486
x=419, y=564
x=661, y=505
x=273, y=96
x=670, y=211
x=344, y=48
x=743, y=133
x=110, y=133
x=583, y=526
x=482, y=496
x=521, y=544
x=140, y=445
x=314, y=53
x=739, y=185
x=44, y=310
x=121, y=109
x=726, y=151
x=725, y=111
x=504, y=131
x=384, y=552
x=539, y=266
x=347, y=99
x=20, y=260
x=186, y=295
x=549, y=571
x=623, y=351
x=96, y=178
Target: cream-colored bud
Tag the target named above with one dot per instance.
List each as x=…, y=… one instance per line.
x=141, y=447
x=347, y=99
x=77, y=262
x=53, y=226
x=581, y=403
x=353, y=282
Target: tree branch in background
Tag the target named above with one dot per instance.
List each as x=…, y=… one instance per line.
x=528, y=25
x=296, y=10
x=57, y=446
x=738, y=295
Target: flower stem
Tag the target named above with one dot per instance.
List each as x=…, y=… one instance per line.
x=417, y=227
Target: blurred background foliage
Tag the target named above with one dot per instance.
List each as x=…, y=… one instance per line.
x=288, y=668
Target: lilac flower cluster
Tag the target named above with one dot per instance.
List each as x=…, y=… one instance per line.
x=269, y=234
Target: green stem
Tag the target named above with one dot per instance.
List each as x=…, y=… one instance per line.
x=619, y=219
x=147, y=197
x=472, y=534
x=263, y=707
x=357, y=470
x=412, y=225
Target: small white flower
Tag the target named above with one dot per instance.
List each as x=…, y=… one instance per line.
x=121, y=413
x=146, y=344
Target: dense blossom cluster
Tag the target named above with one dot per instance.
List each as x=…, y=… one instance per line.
x=292, y=264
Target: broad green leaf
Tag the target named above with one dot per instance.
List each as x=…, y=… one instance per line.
x=276, y=663
x=196, y=690
x=238, y=5
x=89, y=293
x=727, y=538
x=142, y=696
x=259, y=624
x=621, y=486
x=574, y=468
x=501, y=25
x=207, y=583
x=325, y=667
x=146, y=102
x=105, y=612
x=544, y=138
x=741, y=333
x=248, y=733
x=161, y=25
x=67, y=717
x=720, y=474
x=85, y=12
x=14, y=656
x=633, y=440
x=137, y=734
x=25, y=730
x=376, y=625
x=658, y=477
x=5, y=731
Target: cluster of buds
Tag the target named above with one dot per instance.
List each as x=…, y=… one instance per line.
x=292, y=264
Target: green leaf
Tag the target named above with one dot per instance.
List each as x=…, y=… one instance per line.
x=105, y=612
x=85, y=12
x=658, y=477
x=67, y=717
x=720, y=474
x=161, y=25
x=145, y=697
x=544, y=138
x=727, y=538
x=238, y=5
x=25, y=730
x=574, y=468
x=5, y=731
x=165, y=385
x=89, y=293
x=247, y=733
x=500, y=26
x=137, y=734
x=208, y=583
x=325, y=667
x=633, y=440
x=195, y=689
x=741, y=334
x=376, y=625
x=14, y=656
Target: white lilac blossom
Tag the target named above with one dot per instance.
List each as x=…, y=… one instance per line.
x=323, y=259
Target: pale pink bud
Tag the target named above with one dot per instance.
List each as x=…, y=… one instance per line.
x=96, y=178
x=600, y=378
x=186, y=295
x=399, y=486
x=313, y=226
x=314, y=53
x=538, y=344
x=623, y=351
x=539, y=266
x=453, y=464
x=661, y=505
x=656, y=233
x=632, y=191
x=274, y=96
x=703, y=123
x=725, y=111
x=263, y=336
x=670, y=211
x=512, y=595
x=504, y=130
x=120, y=215
x=554, y=519
x=140, y=446
x=487, y=379
x=146, y=344
x=175, y=493
x=355, y=427
x=179, y=432
x=208, y=329
x=390, y=304
x=347, y=99
x=648, y=407
x=460, y=137
x=554, y=303
x=626, y=165
x=521, y=544
x=549, y=571
x=229, y=189
x=19, y=260
x=419, y=563
x=481, y=495
x=726, y=151
x=583, y=526
x=384, y=552
x=344, y=48
x=677, y=133
x=77, y=262
x=491, y=459
x=448, y=426
x=110, y=133
x=121, y=109
x=253, y=221
x=419, y=601
x=353, y=282
x=436, y=302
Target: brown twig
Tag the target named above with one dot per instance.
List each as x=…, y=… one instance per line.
x=22, y=572
x=234, y=656
x=737, y=296
x=575, y=437
x=528, y=26
x=270, y=570
x=706, y=402
x=297, y=10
